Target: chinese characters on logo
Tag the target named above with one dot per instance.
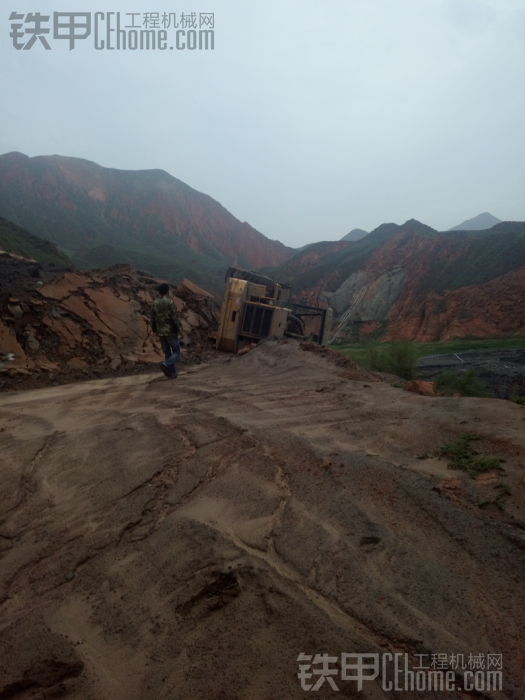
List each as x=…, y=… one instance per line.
x=143, y=31
x=434, y=672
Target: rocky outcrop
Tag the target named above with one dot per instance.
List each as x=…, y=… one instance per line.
x=382, y=292
x=422, y=388
x=477, y=311
x=93, y=324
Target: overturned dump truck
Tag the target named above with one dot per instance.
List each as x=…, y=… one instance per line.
x=255, y=307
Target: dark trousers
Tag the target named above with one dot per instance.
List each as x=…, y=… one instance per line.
x=171, y=347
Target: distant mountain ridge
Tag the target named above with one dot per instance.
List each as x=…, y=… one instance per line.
x=421, y=284
x=355, y=234
x=481, y=222
x=110, y=215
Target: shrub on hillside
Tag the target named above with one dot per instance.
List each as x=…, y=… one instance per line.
x=466, y=384
x=396, y=358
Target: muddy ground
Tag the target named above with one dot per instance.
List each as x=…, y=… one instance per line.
x=189, y=539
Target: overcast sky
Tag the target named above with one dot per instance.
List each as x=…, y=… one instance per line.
x=308, y=119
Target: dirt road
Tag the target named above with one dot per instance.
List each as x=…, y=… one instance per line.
x=189, y=539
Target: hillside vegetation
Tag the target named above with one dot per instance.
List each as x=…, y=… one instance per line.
x=480, y=258
x=173, y=265
x=359, y=352
x=16, y=240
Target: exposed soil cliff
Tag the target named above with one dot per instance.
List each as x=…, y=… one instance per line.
x=490, y=310
x=91, y=324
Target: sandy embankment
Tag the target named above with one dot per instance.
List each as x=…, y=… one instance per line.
x=189, y=539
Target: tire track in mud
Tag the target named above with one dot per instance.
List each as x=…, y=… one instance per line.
x=254, y=535
x=27, y=485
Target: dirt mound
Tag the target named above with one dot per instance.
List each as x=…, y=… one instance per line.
x=351, y=369
x=89, y=324
x=193, y=539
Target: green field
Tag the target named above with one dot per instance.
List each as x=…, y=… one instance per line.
x=360, y=354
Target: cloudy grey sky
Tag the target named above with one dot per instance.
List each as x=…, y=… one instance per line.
x=309, y=118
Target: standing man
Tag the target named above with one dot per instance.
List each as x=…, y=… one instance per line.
x=165, y=322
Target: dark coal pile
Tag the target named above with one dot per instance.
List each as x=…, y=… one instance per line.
x=503, y=371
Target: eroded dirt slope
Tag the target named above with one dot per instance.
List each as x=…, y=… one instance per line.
x=189, y=539
x=89, y=324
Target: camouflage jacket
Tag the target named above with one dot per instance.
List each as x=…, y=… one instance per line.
x=165, y=317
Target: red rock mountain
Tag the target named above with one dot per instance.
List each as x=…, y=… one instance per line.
x=80, y=206
x=421, y=284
